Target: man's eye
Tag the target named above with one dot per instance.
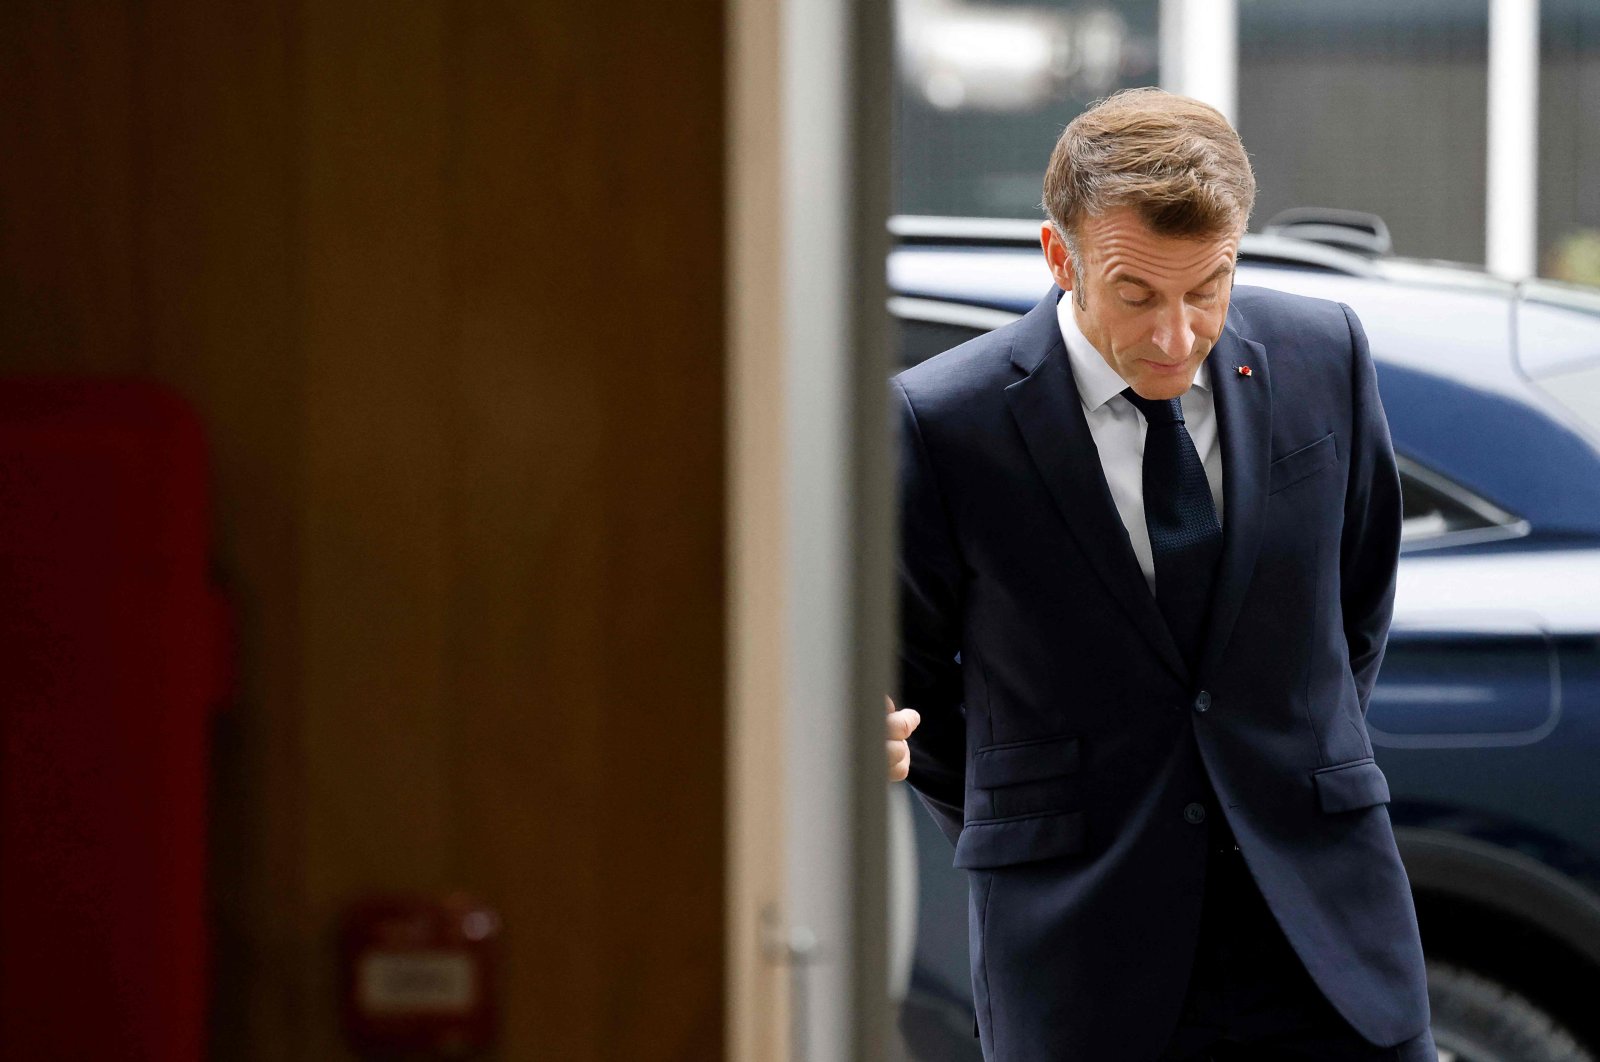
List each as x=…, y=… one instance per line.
x=1137, y=302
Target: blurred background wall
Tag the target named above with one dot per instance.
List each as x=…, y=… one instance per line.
x=1363, y=104
x=1314, y=77
x=1569, y=141
x=445, y=281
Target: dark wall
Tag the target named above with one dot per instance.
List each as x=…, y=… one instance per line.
x=445, y=281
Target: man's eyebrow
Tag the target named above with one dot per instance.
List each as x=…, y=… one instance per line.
x=1128, y=278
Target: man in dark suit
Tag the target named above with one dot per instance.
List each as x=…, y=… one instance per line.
x=1147, y=570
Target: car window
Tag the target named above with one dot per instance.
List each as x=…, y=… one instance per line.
x=1578, y=391
x=921, y=338
x=1428, y=512
x=1440, y=512
x=1558, y=347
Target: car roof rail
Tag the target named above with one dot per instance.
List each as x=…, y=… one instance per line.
x=1254, y=248
x=988, y=232
x=1262, y=248
x=1349, y=230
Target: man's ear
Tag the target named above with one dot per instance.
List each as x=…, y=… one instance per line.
x=1056, y=256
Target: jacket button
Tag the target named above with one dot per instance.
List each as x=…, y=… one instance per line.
x=1202, y=701
x=1195, y=813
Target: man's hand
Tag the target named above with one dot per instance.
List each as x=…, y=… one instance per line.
x=901, y=724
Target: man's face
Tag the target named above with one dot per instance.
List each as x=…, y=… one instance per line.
x=1152, y=305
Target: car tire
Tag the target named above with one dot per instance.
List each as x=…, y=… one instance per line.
x=1476, y=1019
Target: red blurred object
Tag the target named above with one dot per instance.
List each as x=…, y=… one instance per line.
x=419, y=976
x=111, y=650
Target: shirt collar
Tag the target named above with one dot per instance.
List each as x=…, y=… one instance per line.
x=1098, y=383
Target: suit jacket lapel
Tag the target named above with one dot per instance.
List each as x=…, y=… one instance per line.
x=1244, y=424
x=1050, y=415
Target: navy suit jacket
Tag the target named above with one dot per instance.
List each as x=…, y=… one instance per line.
x=1062, y=733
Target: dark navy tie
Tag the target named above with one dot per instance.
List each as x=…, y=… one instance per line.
x=1185, y=535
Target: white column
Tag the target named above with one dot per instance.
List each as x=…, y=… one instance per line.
x=1200, y=51
x=834, y=78
x=814, y=132
x=810, y=529
x=1511, y=223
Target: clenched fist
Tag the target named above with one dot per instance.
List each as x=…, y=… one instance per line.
x=901, y=724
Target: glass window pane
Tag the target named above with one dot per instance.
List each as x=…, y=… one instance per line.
x=1569, y=140
x=985, y=88
x=1370, y=105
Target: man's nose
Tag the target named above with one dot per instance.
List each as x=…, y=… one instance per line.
x=1174, y=334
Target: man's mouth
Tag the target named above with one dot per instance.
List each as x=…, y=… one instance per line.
x=1161, y=368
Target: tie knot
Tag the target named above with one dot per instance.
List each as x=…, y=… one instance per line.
x=1156, y=410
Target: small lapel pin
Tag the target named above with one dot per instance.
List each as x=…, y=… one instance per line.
x=1243, y=370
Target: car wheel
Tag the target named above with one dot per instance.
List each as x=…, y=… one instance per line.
x=1476, y=1019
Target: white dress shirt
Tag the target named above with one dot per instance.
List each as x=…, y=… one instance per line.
x=1118, y=429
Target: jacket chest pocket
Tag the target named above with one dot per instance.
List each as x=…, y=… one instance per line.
x=1025, y=799
x=1301, y=464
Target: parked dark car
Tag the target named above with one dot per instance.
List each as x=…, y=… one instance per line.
x=1486, y=716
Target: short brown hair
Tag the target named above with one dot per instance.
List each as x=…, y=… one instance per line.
x=1175, y=159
